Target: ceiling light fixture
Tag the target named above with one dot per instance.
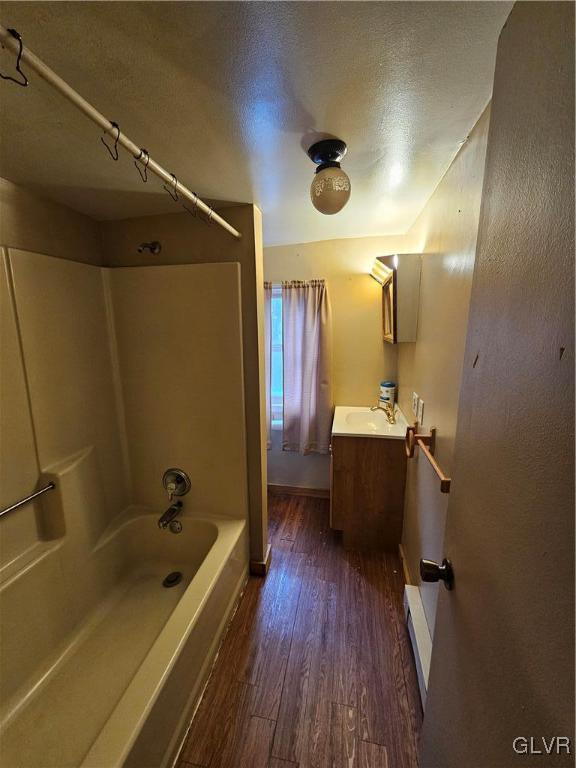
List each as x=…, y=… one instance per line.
x=330, y=188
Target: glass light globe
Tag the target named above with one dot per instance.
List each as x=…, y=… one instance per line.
x=330, y=190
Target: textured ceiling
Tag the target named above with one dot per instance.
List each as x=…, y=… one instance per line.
x=229, y=95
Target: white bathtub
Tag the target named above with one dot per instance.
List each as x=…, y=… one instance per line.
x=120, y=689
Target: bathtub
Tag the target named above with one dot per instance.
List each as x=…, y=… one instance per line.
x=121, y=688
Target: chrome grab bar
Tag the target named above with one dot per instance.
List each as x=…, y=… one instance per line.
x=48, y=487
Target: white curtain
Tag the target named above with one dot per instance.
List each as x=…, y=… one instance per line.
x=268, y=354
x=307, y=348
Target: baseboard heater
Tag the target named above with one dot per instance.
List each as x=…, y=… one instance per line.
x=419, y=636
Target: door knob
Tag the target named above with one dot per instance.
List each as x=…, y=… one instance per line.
x=431, y=571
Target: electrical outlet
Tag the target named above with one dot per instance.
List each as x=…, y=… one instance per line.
x=415, y=401
x=420, y=411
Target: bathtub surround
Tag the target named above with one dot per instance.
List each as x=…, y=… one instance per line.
x=18, y=459
x=89, y=559
x=61, y=232
x=69, y=370
x=177, y=371
x=187, y=240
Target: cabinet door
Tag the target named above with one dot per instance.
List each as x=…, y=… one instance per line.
x=331, y=489
x=341, y=481
x=367, y=491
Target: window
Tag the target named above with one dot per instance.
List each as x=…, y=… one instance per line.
x=298, y=362
x=276, y=362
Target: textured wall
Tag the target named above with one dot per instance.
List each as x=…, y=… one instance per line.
x=32, y=223
x=445, y=233
x=503, y=657
x=229, y=95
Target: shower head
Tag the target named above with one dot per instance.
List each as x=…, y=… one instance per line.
x=154, y=247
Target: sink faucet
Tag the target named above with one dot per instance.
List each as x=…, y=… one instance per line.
x=388, y=410
x=168, y=516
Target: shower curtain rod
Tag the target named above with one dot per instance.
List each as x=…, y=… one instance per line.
x=36, y=64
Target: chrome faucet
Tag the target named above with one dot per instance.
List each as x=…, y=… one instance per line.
x=388, y=410
x=168, y=516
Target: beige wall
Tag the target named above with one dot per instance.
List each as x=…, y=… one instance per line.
x=31, y=223
x=360, y=358
x=188, y=240
x=179, y=341
x=445, y=233
x=503, y=658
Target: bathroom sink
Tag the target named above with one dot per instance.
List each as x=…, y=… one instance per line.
x=370, y=421
x=360, y=421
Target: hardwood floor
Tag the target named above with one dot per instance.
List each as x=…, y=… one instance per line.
x=316, y=669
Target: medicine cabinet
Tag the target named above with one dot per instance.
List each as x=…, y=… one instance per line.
x=399, y=276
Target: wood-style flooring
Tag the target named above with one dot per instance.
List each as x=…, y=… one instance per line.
x=316, y=668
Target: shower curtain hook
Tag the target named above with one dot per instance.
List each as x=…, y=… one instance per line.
x=146, y=155
x=114, y=151
x=207, y=218
x=24, y=82
x=192, y=211
x=173, y=195
x=189, y=210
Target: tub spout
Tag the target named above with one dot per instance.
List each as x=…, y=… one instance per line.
x=172, y=511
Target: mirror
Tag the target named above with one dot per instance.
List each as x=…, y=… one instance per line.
x=399, y=276
x=389, y=322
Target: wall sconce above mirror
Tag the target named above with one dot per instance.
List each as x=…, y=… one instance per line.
x=399, y=276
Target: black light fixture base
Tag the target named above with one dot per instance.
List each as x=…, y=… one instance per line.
x=327, y=153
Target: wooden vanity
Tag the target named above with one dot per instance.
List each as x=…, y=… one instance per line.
x=367, y=478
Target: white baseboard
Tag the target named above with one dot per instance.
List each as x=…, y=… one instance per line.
x=419, y=636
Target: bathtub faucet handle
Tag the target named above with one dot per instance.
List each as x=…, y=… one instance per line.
x=171, y=490
x=176, y=483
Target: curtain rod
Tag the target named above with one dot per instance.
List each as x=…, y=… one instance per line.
x=29, y=58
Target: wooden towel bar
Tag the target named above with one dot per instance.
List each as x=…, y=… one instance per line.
x=426, y=443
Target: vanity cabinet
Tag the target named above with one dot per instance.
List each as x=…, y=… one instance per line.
x=367, y=480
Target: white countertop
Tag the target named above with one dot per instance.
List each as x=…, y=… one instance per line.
x=360, y=421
